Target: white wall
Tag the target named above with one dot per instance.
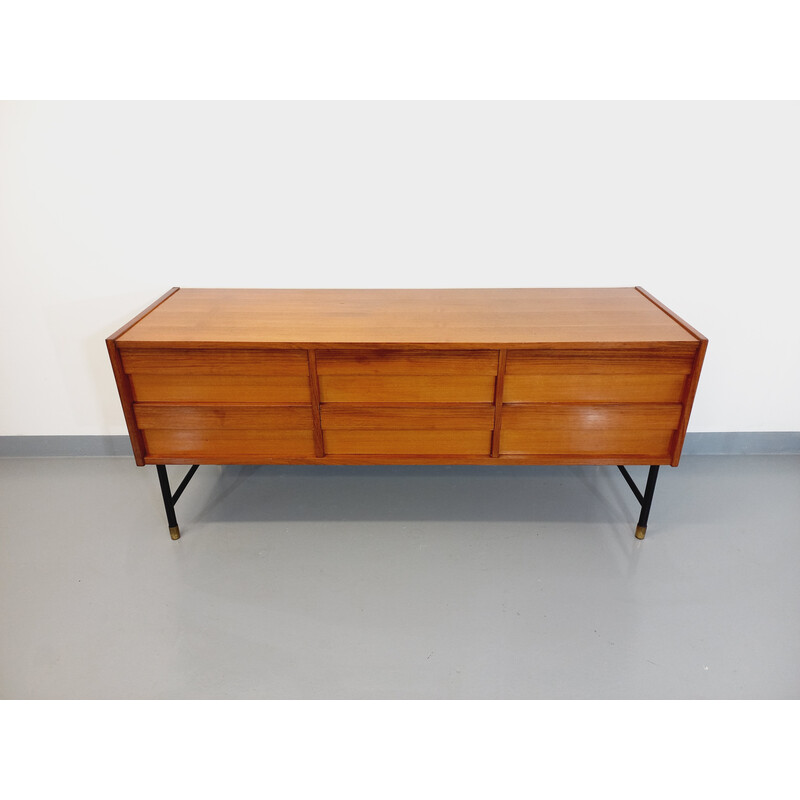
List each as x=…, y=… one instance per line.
x=104, y=206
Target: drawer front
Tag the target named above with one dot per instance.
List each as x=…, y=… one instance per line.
x=217, y=376
x=406, y=389
x=385, y=376
x=591, y=430
x=602, y=376
x=208, y=431
x=220, y=389
x=407, y=442
x=222, y=418
x=211, y=444
x=207, y=361
x=363, y=430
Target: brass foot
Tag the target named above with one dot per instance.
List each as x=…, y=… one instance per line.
x=641, y=530
x=175, y=532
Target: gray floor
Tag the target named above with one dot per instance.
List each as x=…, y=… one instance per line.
x=412, y=582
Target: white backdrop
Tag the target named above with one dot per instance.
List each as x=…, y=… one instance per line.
x=105, y=206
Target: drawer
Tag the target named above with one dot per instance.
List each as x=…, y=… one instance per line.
x=601, y=376
x=208, y=431
x=366, y=430
x=217, y=376
x=386, y=376
x=209, y=444
x=592, y=430
x=407, y=442
x=220, y=389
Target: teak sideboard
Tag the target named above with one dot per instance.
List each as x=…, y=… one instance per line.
x=385, y=376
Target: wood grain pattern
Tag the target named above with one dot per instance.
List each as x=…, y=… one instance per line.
x=518, y=376
x=499, y=388
x=407, y=362
x=199, y=445
x=126, y=399
x=222, y=417
x=688, y=401
x=594, y=388
x=199, y=361
x=590, y=429
x=651, y=446
x=589, y=417
x=410, y=459
x=608, y=361
x=427, y=317
x=220, y=388
x=429, y=417
x=313, y=386
x=406, y=388
x=409, y=442
x=123, y=383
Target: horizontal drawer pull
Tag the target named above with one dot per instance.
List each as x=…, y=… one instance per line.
x=668, y=388
x=592, y=417
x=649, y=444
x=211, y=417
x=389, y=362
x=407, y=388
x=347, y=416
x=207, y=361
x=220, y=389
x=210, y=443
x=604, y=362
x=407, y=442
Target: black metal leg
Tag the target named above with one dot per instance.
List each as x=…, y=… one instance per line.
x=645, y=500
x=170, y=499
x=169, y=505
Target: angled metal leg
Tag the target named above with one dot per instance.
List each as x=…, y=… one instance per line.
x=649, y=491
x=645, y=500
x=170, y=499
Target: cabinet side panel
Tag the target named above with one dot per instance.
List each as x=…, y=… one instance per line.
x=688, y=401
x=126, y=398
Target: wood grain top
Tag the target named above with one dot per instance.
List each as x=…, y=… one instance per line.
x=457, y=318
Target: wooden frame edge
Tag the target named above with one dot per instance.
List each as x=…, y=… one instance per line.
x=123, y=382
x=313, y=384
x=671, y=314
x=691, y=390
x=498, y=402
x=142, y=314
x=126, y=399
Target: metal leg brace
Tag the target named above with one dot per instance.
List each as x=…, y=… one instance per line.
x=645, y=500
x=170, y=499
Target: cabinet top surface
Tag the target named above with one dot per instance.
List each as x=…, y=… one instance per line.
x=407, y=317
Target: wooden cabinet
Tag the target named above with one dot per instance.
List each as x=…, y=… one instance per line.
x=468, y=376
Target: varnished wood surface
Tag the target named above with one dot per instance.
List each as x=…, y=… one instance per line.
x=431, y=388
x=577, y=388
x=430, y=417
x=461, y=318
x=212, y=444
x=149, y=387
x=629, y=429
x=175, y=361
x=533, y=376
x=406, y=362
x=240, y=416
x=407, y=442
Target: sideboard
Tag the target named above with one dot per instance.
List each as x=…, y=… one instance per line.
x=411, y=376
